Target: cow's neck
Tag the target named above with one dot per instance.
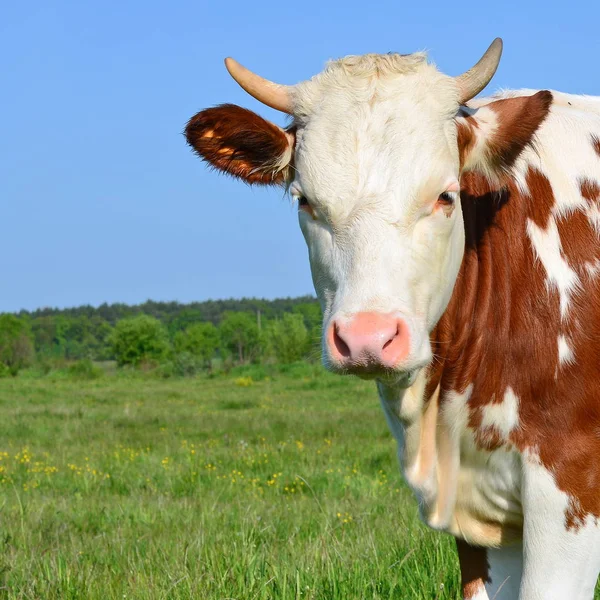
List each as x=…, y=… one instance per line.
x=481, y=291
x=437, y=437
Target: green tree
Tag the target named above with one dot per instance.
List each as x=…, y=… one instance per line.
x=201, y=340
x=139, y=339
x=312, y=315
x=49, y=335
x=183, y=319
x=16, y=343
x=313, y=320
x=98, y=341
x=239, y=334
x=288, y=338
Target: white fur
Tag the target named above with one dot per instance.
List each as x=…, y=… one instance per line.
x=487, y=125
x=592, y=267
x=565, y=354
x=593, y=214
x=503, y=416
x=558, y=563
x=548, y=247
x=461, y=489
x=376, y=146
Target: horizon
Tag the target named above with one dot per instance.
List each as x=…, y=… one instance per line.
x=150, y=300
x=105, y=203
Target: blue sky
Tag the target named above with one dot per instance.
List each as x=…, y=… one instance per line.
x=102, y=200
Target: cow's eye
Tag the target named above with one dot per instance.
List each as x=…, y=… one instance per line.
x=305, y=206
x=447, y=198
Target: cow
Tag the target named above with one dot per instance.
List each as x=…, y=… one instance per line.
x=454, y=245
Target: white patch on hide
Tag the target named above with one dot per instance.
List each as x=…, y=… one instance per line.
x=593, y=214
x=548, y=249
x=503, y=416
x=592, y=268
x=565, y=354
x=560, y=563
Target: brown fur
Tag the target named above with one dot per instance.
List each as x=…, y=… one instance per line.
x=596, y=144
x=465, y=133
x=590, y=190
x=519, y=119
x=239, y=142
x=580, y=243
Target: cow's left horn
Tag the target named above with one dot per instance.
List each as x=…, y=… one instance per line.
x=477, y=77
x=272, y=94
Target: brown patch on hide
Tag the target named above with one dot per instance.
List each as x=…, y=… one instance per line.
x=590, y=189
x=579, y=237
x=465, y=136
x=580, y=242
x=576, y=516
x=474, y=568
x=239, y=142
x=489, y=437
x=541, y=190
x=596, y=144
x=517, y=120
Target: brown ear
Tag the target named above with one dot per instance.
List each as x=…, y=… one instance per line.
x=491, y=137
x=239, y=142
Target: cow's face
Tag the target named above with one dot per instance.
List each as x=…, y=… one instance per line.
x=373, y=158
x=376, y=178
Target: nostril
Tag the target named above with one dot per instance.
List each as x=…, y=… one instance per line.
x=340, y=344
x=392, y=338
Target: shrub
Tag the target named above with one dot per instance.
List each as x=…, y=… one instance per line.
x=200, y=340
x=16, y=346
x=140, y=339
x=84, y=369
x=288, y=338
x=165, y=370
x=186, y=364
x=240, y=335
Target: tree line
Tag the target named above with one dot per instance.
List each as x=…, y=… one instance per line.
x=179, y=338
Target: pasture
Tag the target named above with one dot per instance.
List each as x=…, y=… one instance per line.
x=137, y=488
x=129, y=487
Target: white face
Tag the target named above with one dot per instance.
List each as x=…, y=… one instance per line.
x=376, y=177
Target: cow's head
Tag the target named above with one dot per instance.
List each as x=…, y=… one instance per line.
x=373, y=157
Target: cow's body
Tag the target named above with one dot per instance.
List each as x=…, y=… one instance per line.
x=488, y=366
x=514, y=389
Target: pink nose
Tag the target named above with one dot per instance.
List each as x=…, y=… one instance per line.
x=368, y=340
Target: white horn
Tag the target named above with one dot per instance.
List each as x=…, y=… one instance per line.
x=272, y=94
x=476, y=78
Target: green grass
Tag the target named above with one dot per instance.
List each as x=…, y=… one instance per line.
x=224, y=488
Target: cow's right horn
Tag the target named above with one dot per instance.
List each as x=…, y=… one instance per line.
x=272, y=94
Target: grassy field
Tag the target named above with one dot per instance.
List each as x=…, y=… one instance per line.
x=224, y=488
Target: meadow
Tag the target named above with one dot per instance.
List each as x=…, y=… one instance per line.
x=243, y=487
